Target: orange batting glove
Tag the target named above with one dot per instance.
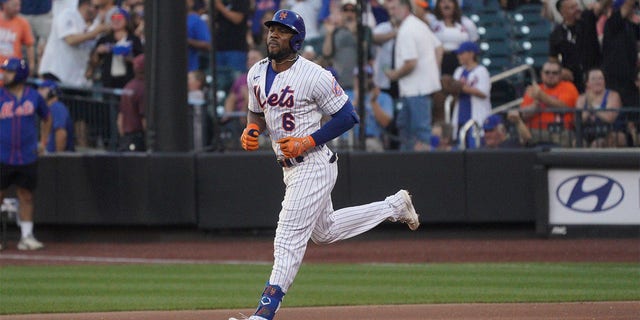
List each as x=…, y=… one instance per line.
x=293, y=147
x=249, y=137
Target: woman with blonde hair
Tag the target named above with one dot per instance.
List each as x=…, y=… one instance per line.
x=600, y=107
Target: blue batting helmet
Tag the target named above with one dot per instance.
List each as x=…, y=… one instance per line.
x=19, y=66
x=294, y=22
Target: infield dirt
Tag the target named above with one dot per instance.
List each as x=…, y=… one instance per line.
x=382, y=248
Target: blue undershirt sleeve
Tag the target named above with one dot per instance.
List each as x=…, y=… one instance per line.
x=341, y=122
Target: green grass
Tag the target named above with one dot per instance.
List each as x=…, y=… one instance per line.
x=45, y=289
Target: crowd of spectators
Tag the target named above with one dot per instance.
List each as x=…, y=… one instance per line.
x=421, y=53
x=420, y=67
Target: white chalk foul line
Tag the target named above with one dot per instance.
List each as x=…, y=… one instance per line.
x=30, y=257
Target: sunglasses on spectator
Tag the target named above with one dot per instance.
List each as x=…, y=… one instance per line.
x=349, y=9
x=555, y=73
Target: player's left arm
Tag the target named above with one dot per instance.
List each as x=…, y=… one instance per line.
x=341, y=122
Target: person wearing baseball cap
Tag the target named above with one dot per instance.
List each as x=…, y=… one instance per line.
x=421, y=10
x=61, y=137
x=378, y=111
x=474, y=97
x=114, y=52
x=424, y=4
x=495, y=132
x=468, y=46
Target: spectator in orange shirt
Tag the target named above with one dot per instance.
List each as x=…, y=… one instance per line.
x=15, y=32
x=552, y=93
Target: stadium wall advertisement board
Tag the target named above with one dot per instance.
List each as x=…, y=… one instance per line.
x=594, y=197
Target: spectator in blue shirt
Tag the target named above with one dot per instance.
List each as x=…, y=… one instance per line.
x=378, y=112
x=61, y=137
x=198, y=37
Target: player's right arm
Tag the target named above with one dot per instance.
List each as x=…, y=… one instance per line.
x=255, y=117
x=255, y=125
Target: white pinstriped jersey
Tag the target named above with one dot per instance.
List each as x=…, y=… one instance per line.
x=297, y=100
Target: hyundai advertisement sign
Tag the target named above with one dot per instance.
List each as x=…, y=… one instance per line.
x=594, y=197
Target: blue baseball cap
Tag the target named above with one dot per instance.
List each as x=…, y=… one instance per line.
x=122, y=12
x=48, y=84
x=52, y=85
x=491, y=122
x=617, y=4
x=468, y=46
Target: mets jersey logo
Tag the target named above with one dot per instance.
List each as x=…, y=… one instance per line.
x=7, y=111
x=337, y=89
x=284, y=98
x=470, y=81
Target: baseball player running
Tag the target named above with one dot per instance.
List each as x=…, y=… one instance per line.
x=288, y=97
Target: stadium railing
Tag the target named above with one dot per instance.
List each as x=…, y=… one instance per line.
x=574, y=135
x=94, y=112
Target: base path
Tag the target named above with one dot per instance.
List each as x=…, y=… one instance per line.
x=529, y=311
x=260, y=250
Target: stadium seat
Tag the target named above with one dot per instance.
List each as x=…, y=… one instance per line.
x=536, y=60
x=496, y=48
x=534, y=31
x=489, y=18
x=529, y=8
x=496, y=64
x=526, y=18
x=484, y=6
x=536, y=47
x=225, y=77
x=493, y=33
x=526, y=13
x=502, y=92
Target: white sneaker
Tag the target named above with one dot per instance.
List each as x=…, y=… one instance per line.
x=30, y=243
x=409, y=216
